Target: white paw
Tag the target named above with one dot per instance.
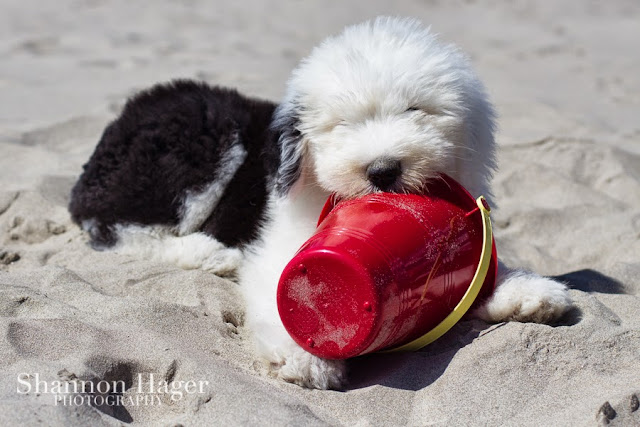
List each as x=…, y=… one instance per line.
x=306, y=370
x=526, y=297
x=196, y=250
x=223, y=262
x=199, y=250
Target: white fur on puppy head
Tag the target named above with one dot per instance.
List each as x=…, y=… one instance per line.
x=387, y=88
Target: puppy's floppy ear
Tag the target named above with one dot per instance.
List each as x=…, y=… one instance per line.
x=290, y=145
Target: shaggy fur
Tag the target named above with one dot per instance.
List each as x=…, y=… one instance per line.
x=188, y=172
x=182, y=155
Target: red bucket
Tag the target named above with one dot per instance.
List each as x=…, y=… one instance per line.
x=388, y=271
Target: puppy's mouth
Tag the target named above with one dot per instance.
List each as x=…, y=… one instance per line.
x=401, y=186
x=407, y=183
x=397, y=188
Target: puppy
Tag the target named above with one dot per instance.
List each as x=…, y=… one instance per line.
x=182, y=176
x=207, y=178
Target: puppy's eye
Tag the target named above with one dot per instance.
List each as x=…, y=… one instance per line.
x=414, y=110
x=425, y=110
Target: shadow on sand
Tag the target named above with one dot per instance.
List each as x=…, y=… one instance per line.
x=414, y=371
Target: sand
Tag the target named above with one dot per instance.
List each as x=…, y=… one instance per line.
x=564, y=78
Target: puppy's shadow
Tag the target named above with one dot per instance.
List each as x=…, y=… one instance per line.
x=589, y=280
x=586, y=280
x=414, y=370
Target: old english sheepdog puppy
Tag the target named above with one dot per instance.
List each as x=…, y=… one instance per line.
x=207, y=178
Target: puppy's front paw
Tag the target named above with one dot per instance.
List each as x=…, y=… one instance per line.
x=306, y=370
x=526, y=297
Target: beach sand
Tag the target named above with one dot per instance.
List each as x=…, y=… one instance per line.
x=564, y=78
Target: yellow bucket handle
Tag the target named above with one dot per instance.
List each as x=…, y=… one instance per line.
x=472, y=292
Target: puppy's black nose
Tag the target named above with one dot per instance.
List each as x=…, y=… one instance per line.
x=384, y=172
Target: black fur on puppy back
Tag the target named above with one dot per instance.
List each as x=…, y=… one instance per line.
x=169, y=140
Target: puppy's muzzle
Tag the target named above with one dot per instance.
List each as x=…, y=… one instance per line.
x=384, y=173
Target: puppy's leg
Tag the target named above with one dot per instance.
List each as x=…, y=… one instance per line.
x=285, y=359
x=259, y=276
x=525, y=297
x=306, y=370
x=196, y=250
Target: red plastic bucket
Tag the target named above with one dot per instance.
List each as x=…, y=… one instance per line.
x=388, y=271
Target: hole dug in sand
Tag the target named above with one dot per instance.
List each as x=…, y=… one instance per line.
x=108, y=389
x=8, y=257
x=136, y=392
x=233, y=321
x=622, y=413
